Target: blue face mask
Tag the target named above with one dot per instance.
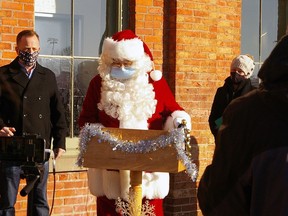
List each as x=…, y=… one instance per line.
x=122, y=73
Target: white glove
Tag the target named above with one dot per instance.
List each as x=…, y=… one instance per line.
x=178, y=122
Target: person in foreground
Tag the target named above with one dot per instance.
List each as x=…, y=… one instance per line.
x=29, y=105
x=128, y=93
x=236, y=85
x=249, y=171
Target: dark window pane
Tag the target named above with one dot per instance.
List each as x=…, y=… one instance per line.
x=85, y=70
x=252, y=41
x=269, y=27
x=61, y=68
x=259, y=30
x=250, y=28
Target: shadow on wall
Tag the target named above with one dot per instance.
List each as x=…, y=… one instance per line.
x=182, y=197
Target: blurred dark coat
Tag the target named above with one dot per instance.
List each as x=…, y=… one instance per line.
x=249, y=170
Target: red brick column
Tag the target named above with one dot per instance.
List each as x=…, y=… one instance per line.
x=193, y=42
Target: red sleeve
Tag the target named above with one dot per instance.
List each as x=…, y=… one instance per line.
x=166, y=104
x=165, y=97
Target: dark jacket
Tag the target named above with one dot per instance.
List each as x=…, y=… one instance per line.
x=32, y=106
x=224, y=95
x=248, y=174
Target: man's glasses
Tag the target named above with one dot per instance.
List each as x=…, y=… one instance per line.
x=119, y=64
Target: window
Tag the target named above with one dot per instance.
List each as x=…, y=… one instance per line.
x=263, y=24
x=71, y=35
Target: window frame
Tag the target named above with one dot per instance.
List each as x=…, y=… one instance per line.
x=68, y=161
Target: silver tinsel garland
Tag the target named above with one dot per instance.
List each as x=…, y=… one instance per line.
x=175, y=136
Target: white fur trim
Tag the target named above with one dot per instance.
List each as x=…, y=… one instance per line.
x=95, y=181
x=111, y=184
x=131, y=49
x=155, y=185
x=125, y=183
x=176, y=117
x=156, y=75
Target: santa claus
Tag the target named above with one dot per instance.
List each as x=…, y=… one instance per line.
x=129, y=93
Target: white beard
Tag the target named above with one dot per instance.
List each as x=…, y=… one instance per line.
x=131, y=101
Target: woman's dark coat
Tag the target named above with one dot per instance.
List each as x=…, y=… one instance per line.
x=224, y=95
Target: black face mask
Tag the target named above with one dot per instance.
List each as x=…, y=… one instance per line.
x=237, y=78
x=28, y=58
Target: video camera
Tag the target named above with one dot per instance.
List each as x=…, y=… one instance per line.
x=28, y=148
x=29, y=151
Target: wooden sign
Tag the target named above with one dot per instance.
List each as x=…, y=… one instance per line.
x=101, y=155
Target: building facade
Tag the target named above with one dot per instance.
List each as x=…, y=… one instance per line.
x=192, y=41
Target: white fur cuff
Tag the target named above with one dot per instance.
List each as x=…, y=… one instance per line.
x=176, y=118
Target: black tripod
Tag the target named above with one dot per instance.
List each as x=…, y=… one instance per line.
x=33, y=173
x=30, y=151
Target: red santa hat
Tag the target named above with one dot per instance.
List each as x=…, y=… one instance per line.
x=126, y=45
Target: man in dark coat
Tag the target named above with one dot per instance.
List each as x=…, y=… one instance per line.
x=236, y=85
x=249, y=171
x=29, y=105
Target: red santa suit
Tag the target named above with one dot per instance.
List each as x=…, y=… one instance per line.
x=144, y=101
